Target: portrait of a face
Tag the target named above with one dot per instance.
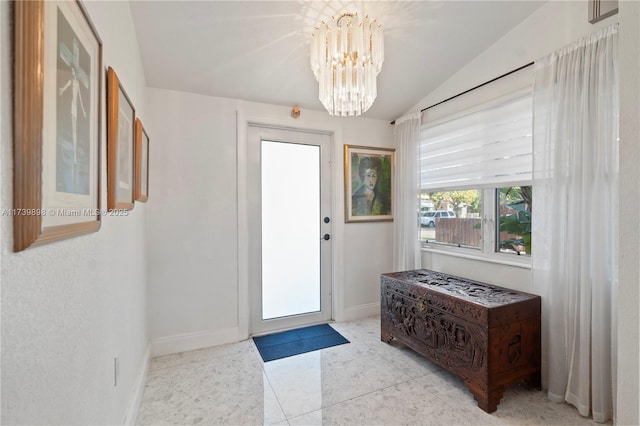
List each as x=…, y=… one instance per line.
x=371, y=186
x=368, y=175
x=370, y=179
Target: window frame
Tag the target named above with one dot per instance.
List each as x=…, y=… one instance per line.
x=497, y=218
x=488, y=250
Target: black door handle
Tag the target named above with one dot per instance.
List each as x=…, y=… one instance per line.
x=326, y=237
x=327, y=220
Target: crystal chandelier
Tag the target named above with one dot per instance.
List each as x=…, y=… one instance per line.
x=346, y=58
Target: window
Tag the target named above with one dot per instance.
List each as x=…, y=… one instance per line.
x=475, y=170
x=514, y=219
x=461, y=206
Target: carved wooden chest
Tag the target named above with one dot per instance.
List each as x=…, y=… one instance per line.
x=487, y=335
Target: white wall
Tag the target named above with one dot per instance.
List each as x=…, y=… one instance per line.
x=69, y=307
x=628, y=389
x=5, y=88
x=197, y=287
x=368, y=247
x=192, y=243
x=560, y=24
x=552, y=26
x=501, y=274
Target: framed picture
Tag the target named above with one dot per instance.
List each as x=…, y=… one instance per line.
x=57, y=89
x=142, y=162
x=120, y=145
x=368, y=176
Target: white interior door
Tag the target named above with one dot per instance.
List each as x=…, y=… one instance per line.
x=289, y=205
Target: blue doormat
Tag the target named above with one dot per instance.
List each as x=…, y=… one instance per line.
x=299, y=341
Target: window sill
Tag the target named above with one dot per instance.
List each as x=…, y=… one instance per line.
x=474, y=254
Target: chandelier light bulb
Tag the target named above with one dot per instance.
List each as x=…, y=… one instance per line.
x=346, y=58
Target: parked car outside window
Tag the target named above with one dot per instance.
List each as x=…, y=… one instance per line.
x=429, y=218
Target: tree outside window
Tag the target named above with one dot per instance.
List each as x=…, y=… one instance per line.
x=514, y=213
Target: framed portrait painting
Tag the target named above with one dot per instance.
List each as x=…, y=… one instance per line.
x=57, y=87
x=368, y=183
x=142, y=162
x=120, y=145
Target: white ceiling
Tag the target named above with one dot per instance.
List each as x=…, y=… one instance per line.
x=259, y=50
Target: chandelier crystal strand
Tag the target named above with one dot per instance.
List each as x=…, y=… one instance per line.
x=346, y=58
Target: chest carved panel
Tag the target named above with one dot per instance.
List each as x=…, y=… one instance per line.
x=488, y=335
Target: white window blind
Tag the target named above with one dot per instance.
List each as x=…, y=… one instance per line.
x=488, y=147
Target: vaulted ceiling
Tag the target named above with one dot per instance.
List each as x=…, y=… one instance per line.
x=259, y=50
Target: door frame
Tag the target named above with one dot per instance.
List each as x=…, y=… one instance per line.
x=321, y=141
x=272, y=116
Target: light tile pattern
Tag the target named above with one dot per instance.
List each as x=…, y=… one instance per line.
x=366, y=382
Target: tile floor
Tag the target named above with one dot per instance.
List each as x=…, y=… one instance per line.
x=365, y=382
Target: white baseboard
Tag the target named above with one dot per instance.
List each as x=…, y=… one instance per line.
x=361, y=311
x=138, y=390
x=192, y=341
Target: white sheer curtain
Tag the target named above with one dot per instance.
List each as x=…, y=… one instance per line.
x=406, y=252
x=575, y=223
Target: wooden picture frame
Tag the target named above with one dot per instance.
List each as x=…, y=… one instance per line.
x=120, y=145
x=368, y=184
x=57, y=101
x=142, y=163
